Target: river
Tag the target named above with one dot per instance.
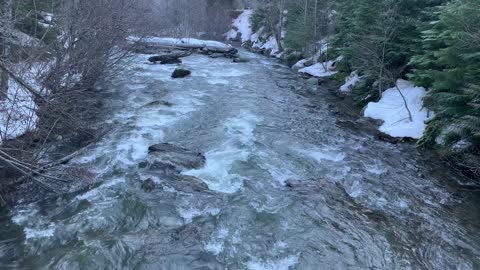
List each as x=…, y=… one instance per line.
x=352, y=202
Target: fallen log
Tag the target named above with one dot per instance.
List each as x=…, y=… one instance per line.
x=152, y=48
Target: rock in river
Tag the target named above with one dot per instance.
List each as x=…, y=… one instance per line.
x=148, y=185
x=180, y=73
x=179, y=157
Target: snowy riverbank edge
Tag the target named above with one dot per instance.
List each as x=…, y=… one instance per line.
x=400, y=108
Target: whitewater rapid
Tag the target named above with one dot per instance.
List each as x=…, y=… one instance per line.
x=288, y=187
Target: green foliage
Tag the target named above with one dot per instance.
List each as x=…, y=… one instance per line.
x=28, y=18
x=449, y=66
x=257, y=19
x=378, y=38
x=306, y=25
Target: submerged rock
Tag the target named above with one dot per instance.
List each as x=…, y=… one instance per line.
x=179, y=157
x=171, y=61
x=148, y=185
x=180, y=73
x=159, y=103
x=240, y=60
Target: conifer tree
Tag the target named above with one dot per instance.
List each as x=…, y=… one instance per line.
x=449, y=66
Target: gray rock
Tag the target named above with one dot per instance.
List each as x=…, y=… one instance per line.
x=189, y=184
x=171, y=155
x=148, y=185
x=180, y=73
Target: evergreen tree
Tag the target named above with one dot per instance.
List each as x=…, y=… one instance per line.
x=449, y=66
x=378, y=38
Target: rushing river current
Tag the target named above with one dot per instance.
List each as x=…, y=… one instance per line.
x=356, y=202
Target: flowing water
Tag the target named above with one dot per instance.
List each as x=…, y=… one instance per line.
x=356, y=202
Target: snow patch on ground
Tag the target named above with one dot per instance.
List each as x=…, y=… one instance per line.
x=391, y=109
x=17, y=111
x=350, y=82
x=271, y=44
x=320, y=70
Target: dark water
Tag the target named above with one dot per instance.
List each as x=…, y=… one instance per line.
x=358, y=203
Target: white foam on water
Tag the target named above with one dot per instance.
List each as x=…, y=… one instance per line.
x=214, y=247
x=217, y=172
x=22, y=215
x=321, y=155
x=355, y=190
x=242, y=127
x=91, y=194
x=224, y=72
x=188, y=214
x=218, y=81
x=136, y=86
x=376, y=168
x=34, y=233
x=280, y=264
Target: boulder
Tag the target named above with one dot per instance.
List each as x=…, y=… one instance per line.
x=180, y=73
x=148, y=185
x=179, y=157
x=189, y=184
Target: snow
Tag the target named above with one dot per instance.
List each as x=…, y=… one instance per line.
x=272, y=45
x=300, y=64
x=22, y=39
x=320, y=70
x=242, y=23
x=179, y=41
x=48, y=17
x=350, y=82
x=17, y=111
x=392, y=111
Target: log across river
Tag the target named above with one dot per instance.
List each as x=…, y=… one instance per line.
x=247, y=170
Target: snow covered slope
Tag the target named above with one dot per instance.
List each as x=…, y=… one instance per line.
x=17, y=111
x=241, y=25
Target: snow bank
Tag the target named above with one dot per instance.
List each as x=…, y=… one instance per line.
x=320, y=70
x=272, y=45
x=242, y=23
x=350, y=82
x=17, y=111
x=178, y=41
x=259, y=40
x=392, y=111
